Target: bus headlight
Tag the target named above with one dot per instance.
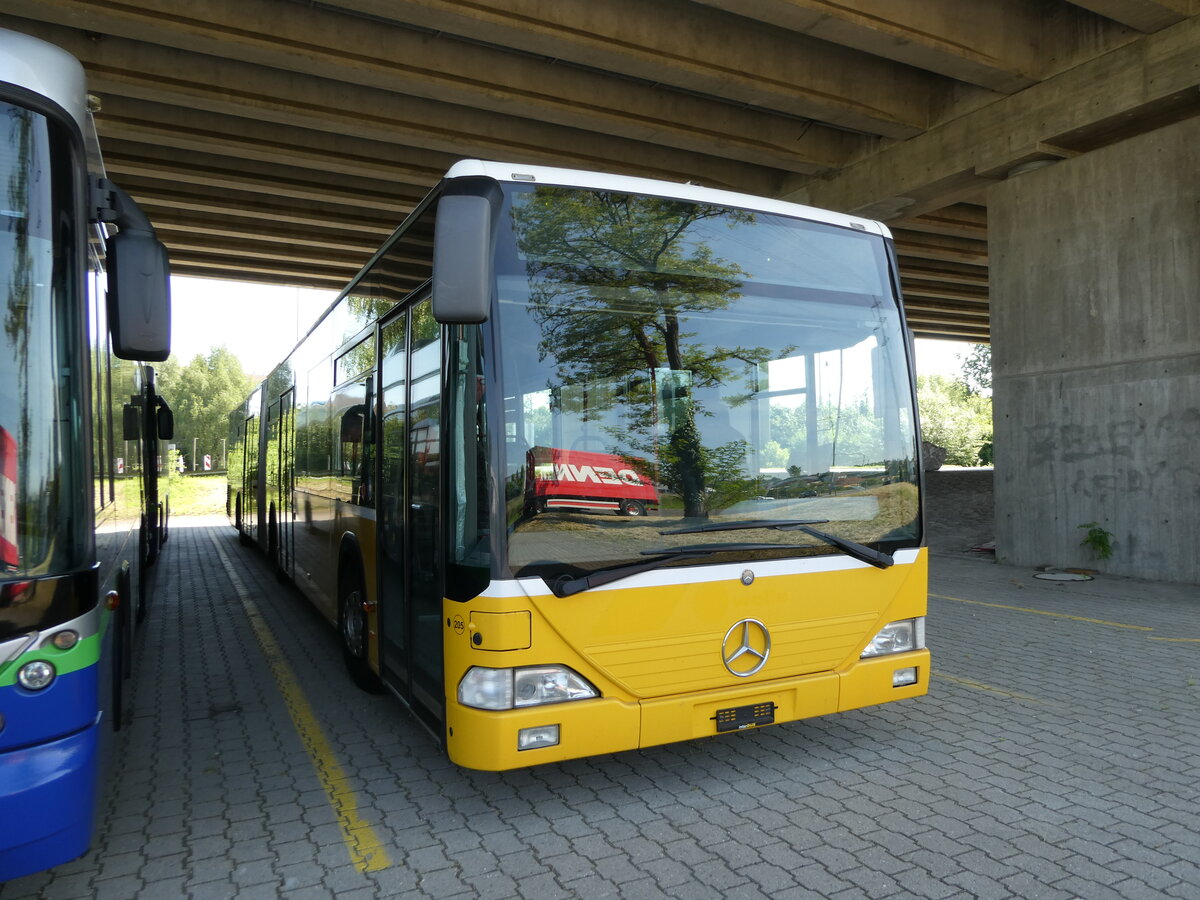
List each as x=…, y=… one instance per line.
x=897, y=637
x=549, y=684
x=36, y=675
x=484, y=688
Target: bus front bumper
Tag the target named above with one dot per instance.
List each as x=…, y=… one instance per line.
x=489, y=740
x=47, y=803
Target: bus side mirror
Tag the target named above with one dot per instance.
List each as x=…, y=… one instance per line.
x=139, y=296
x=130, y=430
x=462, y=260
x=164, y=421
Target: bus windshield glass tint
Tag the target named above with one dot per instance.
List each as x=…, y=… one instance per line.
x=669, y=364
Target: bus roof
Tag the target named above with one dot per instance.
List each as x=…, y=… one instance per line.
x=44, y=69
x=520, y=173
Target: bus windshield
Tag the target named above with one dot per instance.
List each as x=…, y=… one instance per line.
x=41, y=451
x=669, y=364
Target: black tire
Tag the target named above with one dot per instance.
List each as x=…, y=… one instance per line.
x=352, y=632
x=633, y=508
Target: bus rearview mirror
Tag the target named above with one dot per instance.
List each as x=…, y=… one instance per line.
x=165, y=421
x=139, y=296
x=462, y=254
x=130, y=428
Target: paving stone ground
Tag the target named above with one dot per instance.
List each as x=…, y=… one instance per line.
x=1057, y=755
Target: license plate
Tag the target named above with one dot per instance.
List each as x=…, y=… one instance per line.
x=738, y=717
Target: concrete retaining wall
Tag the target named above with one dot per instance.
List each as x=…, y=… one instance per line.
x=1095, y=297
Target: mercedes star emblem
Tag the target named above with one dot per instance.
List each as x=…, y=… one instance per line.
x=746, y=647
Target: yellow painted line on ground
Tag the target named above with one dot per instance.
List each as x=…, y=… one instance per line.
x=366, y=851
x=980, y=686
x=1177, y=640
x=1043, y=612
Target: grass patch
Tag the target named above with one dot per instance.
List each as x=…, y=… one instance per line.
x=195, y=495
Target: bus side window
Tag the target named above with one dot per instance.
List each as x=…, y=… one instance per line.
x=355, y=459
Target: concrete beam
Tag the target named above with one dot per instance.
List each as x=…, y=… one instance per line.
x=315, y=240
x=297, y=250
x=194, y=245
x=700, y=50
x=951, y=160
x=963, y=220
x=353, y=50
x=996, y=46
x=205, y=170
x=940, y=247
x=257, y=93
x=284, y=146
x=236, y=269
x=156, y=194
x=296, y=279
x=944, y=272
x=939, y=325
x=1144, y=15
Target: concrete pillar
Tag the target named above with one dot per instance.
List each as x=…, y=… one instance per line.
x=1095, y=315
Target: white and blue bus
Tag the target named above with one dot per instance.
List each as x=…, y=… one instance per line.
x=84, y=308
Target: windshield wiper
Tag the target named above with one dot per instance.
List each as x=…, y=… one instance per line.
x=565, y=586
x=851, y=548
x=876, y=558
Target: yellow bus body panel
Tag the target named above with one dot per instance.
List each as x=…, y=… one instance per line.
x=656, y=656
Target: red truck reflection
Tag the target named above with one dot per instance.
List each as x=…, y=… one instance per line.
x=9, y=555
x=579, y=480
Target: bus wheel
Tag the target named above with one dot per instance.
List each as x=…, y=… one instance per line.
x=632, y=508
x=352, y=627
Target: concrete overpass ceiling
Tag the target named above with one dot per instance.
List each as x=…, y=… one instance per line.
x=280, y=141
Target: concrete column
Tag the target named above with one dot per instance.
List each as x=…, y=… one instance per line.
x=1095, y=315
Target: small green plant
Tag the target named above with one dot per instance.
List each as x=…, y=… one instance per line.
x=1097, y=540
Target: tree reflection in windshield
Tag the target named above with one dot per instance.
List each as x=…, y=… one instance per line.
x=680, y=363
x=613, y=277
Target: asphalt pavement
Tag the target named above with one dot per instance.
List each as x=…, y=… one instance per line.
x=1057, y=755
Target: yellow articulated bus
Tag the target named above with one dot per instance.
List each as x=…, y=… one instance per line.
x=581, y=463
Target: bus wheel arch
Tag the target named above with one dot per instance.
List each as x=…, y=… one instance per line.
x=352, y=622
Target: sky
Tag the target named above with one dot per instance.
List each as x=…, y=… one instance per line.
x=941, y=357
x=260, y=324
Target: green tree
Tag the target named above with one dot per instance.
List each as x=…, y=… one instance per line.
x=977, y=369
x=201, y=394
x=954, y=417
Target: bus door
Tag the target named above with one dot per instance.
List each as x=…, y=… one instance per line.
x=284, y=465
x=410, y=577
